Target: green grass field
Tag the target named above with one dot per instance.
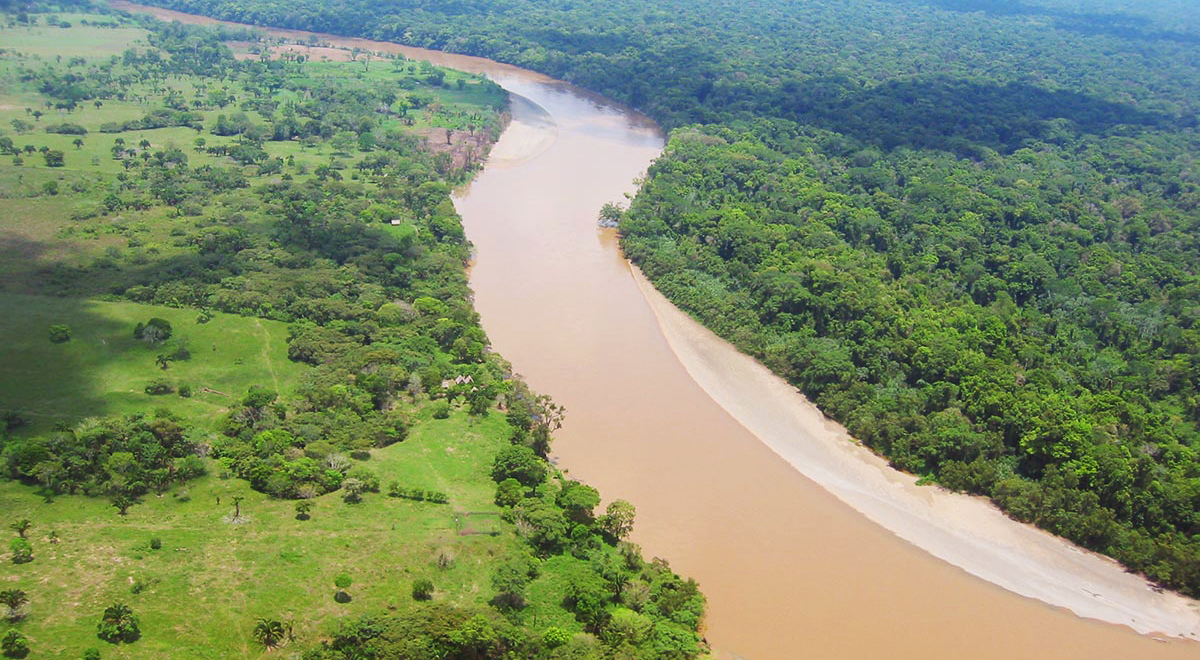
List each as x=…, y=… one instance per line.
x=211, y=579
x=103, y=370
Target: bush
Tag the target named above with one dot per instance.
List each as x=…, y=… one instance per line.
x=185, y=391
x=91, y=654
x=156, y=543
x=441, y=410
x=66, y=129
x=422, y=589
x=118, y=624
x=159, y=386
x=14, y=645
x=60, y=333
x=341, y=581
x=22, y=552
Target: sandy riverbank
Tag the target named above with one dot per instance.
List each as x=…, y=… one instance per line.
x=966, y=531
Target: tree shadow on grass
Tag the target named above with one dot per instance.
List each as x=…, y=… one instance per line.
x=44, y=383
x=958, y=115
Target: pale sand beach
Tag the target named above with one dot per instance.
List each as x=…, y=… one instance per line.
x=966, y=531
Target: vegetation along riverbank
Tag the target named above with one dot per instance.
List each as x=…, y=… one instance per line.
x=247, y=403
x=966, y=231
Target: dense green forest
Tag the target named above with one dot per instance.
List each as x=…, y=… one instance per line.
x=240, y=276
x=966, y=228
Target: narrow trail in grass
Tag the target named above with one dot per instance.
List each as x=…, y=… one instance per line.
x=266, y=353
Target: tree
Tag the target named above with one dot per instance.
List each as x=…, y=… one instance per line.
x=422, y=589
x=21, y=526
x=271, y=633
x=14, y=645
x=122, y=502
x=78, y=142
x=22, y=552
x=520, y=463
x=617, y=520
x=302, y=509
x=118, y=624
x=15, y=600
x=154, y=331
x=54, y=158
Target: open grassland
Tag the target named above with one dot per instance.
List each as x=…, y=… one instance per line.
x=199, y=595
x=78, y=40
x=104, y=370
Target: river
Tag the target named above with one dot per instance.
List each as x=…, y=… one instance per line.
x=852, y=561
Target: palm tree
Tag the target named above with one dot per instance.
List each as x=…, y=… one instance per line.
x=118, y=624
x=271, y=632
x=21, y=526
x=14, y=600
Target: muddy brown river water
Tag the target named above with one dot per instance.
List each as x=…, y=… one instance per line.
x=855, y=562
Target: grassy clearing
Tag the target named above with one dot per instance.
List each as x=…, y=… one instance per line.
x=211, y=580
x=79, y=40
x=103, y=370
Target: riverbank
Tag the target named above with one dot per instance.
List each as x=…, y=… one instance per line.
x=790, y=570
x=966, y=531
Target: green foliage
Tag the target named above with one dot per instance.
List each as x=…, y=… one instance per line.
x=60, y=333
x=271, y=633
x=117, y=456
x=20, y=550
x=341, y=581
x=154, y=331
x=14, y=645
x=521, y=464
x=118, y=625
x=14, y=600
x=91, y=654
x=422, y=589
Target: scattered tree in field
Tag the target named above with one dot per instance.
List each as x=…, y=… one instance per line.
x=302, y=509
x=118, y=624
x=91, y=653
x=122, y=503
x=154, y=331
x=237, y=507
x=22, y=552
x=422, y=589
x=14, y=645
x=54, y=158
x=21, y=526
x=271, y=633
x=15, y=600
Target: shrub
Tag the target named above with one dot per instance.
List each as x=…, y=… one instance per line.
x=185, y=391
x=60, y=333
x=341, y=581
x=118, y=624
x=14, y=645
x=156, y=543
x=159, y=386
x=441, y=410
x=91, y=654
x=422, y=589
x=22, y=552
